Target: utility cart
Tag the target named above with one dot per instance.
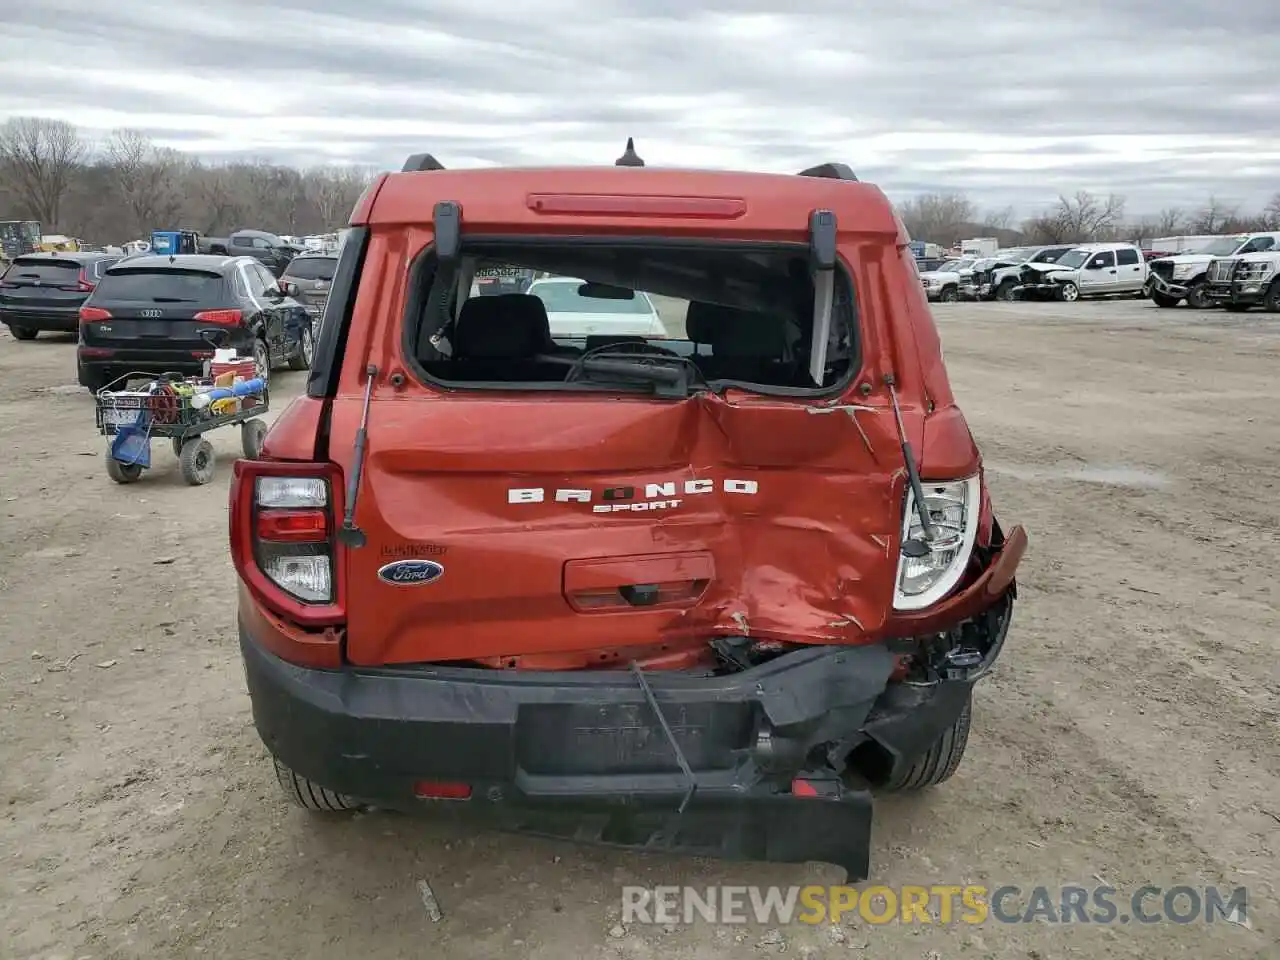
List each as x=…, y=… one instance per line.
x=136, y=409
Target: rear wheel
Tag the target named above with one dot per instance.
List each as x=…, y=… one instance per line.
x=122, y=472
x=252, y=433
x=261, y=360
x=22, y=333
x=306, y=350
x=941, y=760
x=1164, y=300
x=1068, y=292
x=197, y=461
x=311, y=796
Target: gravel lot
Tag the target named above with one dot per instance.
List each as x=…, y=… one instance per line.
x=1129, y=734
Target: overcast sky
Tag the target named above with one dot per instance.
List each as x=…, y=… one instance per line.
x=1164, y=101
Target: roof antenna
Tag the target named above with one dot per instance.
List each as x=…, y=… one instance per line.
x=629, y=156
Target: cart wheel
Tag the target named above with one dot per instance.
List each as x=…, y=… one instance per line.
x=122, y=472
x=252, y=433
x=196, y=461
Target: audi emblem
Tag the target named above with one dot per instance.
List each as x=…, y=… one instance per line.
x=151, y=313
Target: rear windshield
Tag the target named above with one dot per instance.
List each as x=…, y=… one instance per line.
x=312, y=268
x=46, y=271
x=174, y=286
x=740, y=315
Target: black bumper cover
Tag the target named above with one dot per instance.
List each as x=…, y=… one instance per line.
x=582, y=756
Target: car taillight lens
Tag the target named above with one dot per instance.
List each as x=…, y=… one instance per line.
x=283, y=538
x=953, y=509
x=94, y=314
x=84, y=284
x=221, y=318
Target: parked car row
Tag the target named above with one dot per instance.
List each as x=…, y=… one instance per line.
x=165, y=314
x=1236, y=272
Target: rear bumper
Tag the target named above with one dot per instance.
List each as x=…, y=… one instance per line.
x=51, y=320
x=583, y=756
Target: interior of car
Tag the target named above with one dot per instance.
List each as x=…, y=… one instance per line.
x=733, y=315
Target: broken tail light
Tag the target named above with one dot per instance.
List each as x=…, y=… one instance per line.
x=283, y=538
x=954, y=508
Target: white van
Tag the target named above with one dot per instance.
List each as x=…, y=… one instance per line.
x=1089, y=270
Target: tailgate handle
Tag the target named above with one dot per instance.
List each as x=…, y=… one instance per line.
x=641, y=594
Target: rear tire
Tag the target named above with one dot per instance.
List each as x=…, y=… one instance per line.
x=940, y=761
x=306, y=349
x=123, y=472
x=262, y=360
x=252, y=433
x=1164, y=300
x=23, y=333
x=197, y=461
x=311, y=796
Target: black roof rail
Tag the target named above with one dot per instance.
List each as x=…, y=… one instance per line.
x=421, y=161
x=830, y=171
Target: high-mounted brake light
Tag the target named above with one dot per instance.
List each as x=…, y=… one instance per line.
x=283, y=538
x=94, y=314
x=608, y=205
x=220, y=318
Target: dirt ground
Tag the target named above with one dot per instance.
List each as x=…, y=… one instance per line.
x=1128, y=736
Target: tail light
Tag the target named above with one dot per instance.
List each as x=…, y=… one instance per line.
x=283, y=543
x=83, y=283
x=220, y=318
x=94, y=314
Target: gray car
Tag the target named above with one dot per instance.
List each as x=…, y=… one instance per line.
x=313, y=273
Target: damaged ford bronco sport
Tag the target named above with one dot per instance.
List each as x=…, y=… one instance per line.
x=702, y=592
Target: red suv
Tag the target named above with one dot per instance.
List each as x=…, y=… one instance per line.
x=702, y=592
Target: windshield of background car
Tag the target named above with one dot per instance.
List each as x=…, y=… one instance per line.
x=1074, y=258
x=1222, y=247
x=173, y=286
x=563, y=296
x=311, y=268
x=951, y=266
x=724, y=313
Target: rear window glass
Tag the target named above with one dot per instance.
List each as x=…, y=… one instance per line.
x=312, y=268
x=46, y=271
x=568, y=297
x=167, y=285
x=724, y=315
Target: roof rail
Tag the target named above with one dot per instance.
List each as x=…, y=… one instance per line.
x=830, y=171
x=421, y=161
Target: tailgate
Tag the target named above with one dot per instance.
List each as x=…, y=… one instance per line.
x=583, y=524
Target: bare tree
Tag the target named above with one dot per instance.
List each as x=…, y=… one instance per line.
x=938, y=217
x=1214, y=217
x=1078, y=219
x=334, y=191
x=223, y=206
x=1271, y=214
x=145, y=178
x=40, y=157
x=1169, y=221
x=999, y=219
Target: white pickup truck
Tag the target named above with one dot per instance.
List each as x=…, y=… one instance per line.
x=944, y=283
x=1182, y=277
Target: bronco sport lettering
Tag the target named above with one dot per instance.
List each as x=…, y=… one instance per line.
x=732, y=678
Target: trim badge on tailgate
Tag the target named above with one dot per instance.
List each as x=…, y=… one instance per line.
x=411, y=573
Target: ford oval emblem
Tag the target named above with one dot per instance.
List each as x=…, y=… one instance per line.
x=411, y=573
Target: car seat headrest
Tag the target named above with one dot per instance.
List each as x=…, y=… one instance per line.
x=511, y=325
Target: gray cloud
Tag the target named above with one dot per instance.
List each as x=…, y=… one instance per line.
x=1011, y=102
